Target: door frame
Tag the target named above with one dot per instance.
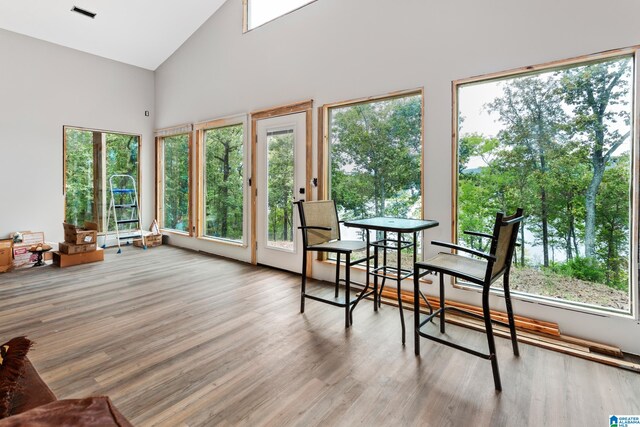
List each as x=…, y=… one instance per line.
x=284, y=110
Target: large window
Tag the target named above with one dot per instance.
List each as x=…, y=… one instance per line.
x=375, y=157
x=175, y=168
x=90, y=159
x=557, y=142
x=259, y=12
x=223, y=182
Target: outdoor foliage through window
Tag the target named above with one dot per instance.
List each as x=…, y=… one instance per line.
x=175, y=151
x=79, y=203
x=556, y=143
x=280, y=188
x=375, y=156
x=223, y=189
x=84, y=192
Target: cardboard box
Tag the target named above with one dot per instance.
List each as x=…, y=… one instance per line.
x=70, y=248
x=22, y=257
x=32, y=238
x=151, y=240
x=80, y=236
x=66, y=260
x=6, y=255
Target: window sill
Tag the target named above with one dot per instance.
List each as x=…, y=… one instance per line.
x=550, y=302
x=225, y=242
x=176, y=232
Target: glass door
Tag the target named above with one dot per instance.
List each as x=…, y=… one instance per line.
x=281, y=162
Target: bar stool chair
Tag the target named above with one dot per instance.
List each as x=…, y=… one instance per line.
x=321, y=233
x=483, y=271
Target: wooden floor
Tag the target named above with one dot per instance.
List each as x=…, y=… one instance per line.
x=179, y=338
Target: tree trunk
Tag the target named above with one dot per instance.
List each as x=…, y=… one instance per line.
x=285, y=225
x=570, y=231
x=590, y=207
x=610, y=252
x=224, y=192
x=544, y=216
x=522, y=244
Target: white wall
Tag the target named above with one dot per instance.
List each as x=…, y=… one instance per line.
x=42, y=88
x=336, y=50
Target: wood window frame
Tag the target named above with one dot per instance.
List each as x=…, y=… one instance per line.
x=186, y=129
x=97, y=167
x=283, y=110
x=635, y=173
x=199, y=130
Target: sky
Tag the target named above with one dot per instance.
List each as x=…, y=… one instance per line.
x=261, y=11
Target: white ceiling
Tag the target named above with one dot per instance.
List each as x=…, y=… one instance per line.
x=137, y=32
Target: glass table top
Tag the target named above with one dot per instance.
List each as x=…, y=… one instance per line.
x=398, y=225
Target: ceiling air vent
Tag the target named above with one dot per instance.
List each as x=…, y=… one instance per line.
x=83, y=12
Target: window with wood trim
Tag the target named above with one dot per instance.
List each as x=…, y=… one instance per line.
x=374, y=151
x=223, y=170
x=91, y=157
x=557, y=141
x=259, y=12
x=175, y=171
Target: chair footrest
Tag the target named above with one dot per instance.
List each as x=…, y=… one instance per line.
x=456, y=346
x=392, y=244
x=336, y=303
x=404, y=272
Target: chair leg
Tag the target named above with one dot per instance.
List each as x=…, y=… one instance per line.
x=512, y=323
x=304, y=280
x=337, y=274
x=442, y=303
x=347, y=297
x=416, y=311
x=492, y=345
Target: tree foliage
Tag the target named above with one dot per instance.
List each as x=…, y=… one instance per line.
x=375, y=157
x=224, y=164
x=79, y=194
x=176, y=182
x=84, y=194
x=280, y=187
x=560, y=155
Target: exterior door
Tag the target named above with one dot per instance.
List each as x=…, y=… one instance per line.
x=281, y=174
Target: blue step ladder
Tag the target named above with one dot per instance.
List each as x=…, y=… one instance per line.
x=124, y=199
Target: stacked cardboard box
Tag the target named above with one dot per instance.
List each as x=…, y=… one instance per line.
x=79, y=247
x=150, y=239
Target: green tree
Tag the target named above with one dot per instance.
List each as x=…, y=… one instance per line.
x=280, y=151
x=612, y=220
x=176, y=182
x=375, y=152
x=79, y=173
x=530, y=108
x=224, y=182
x=594, y=92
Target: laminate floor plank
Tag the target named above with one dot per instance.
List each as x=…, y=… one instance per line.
x=178, y=338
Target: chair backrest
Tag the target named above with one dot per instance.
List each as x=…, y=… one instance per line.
x=505, y=233
x=320, y=213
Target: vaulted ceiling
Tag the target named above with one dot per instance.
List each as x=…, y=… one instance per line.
x=137, y=32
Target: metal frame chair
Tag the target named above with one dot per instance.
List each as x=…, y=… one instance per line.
x=321, y=233
x=483, y=271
